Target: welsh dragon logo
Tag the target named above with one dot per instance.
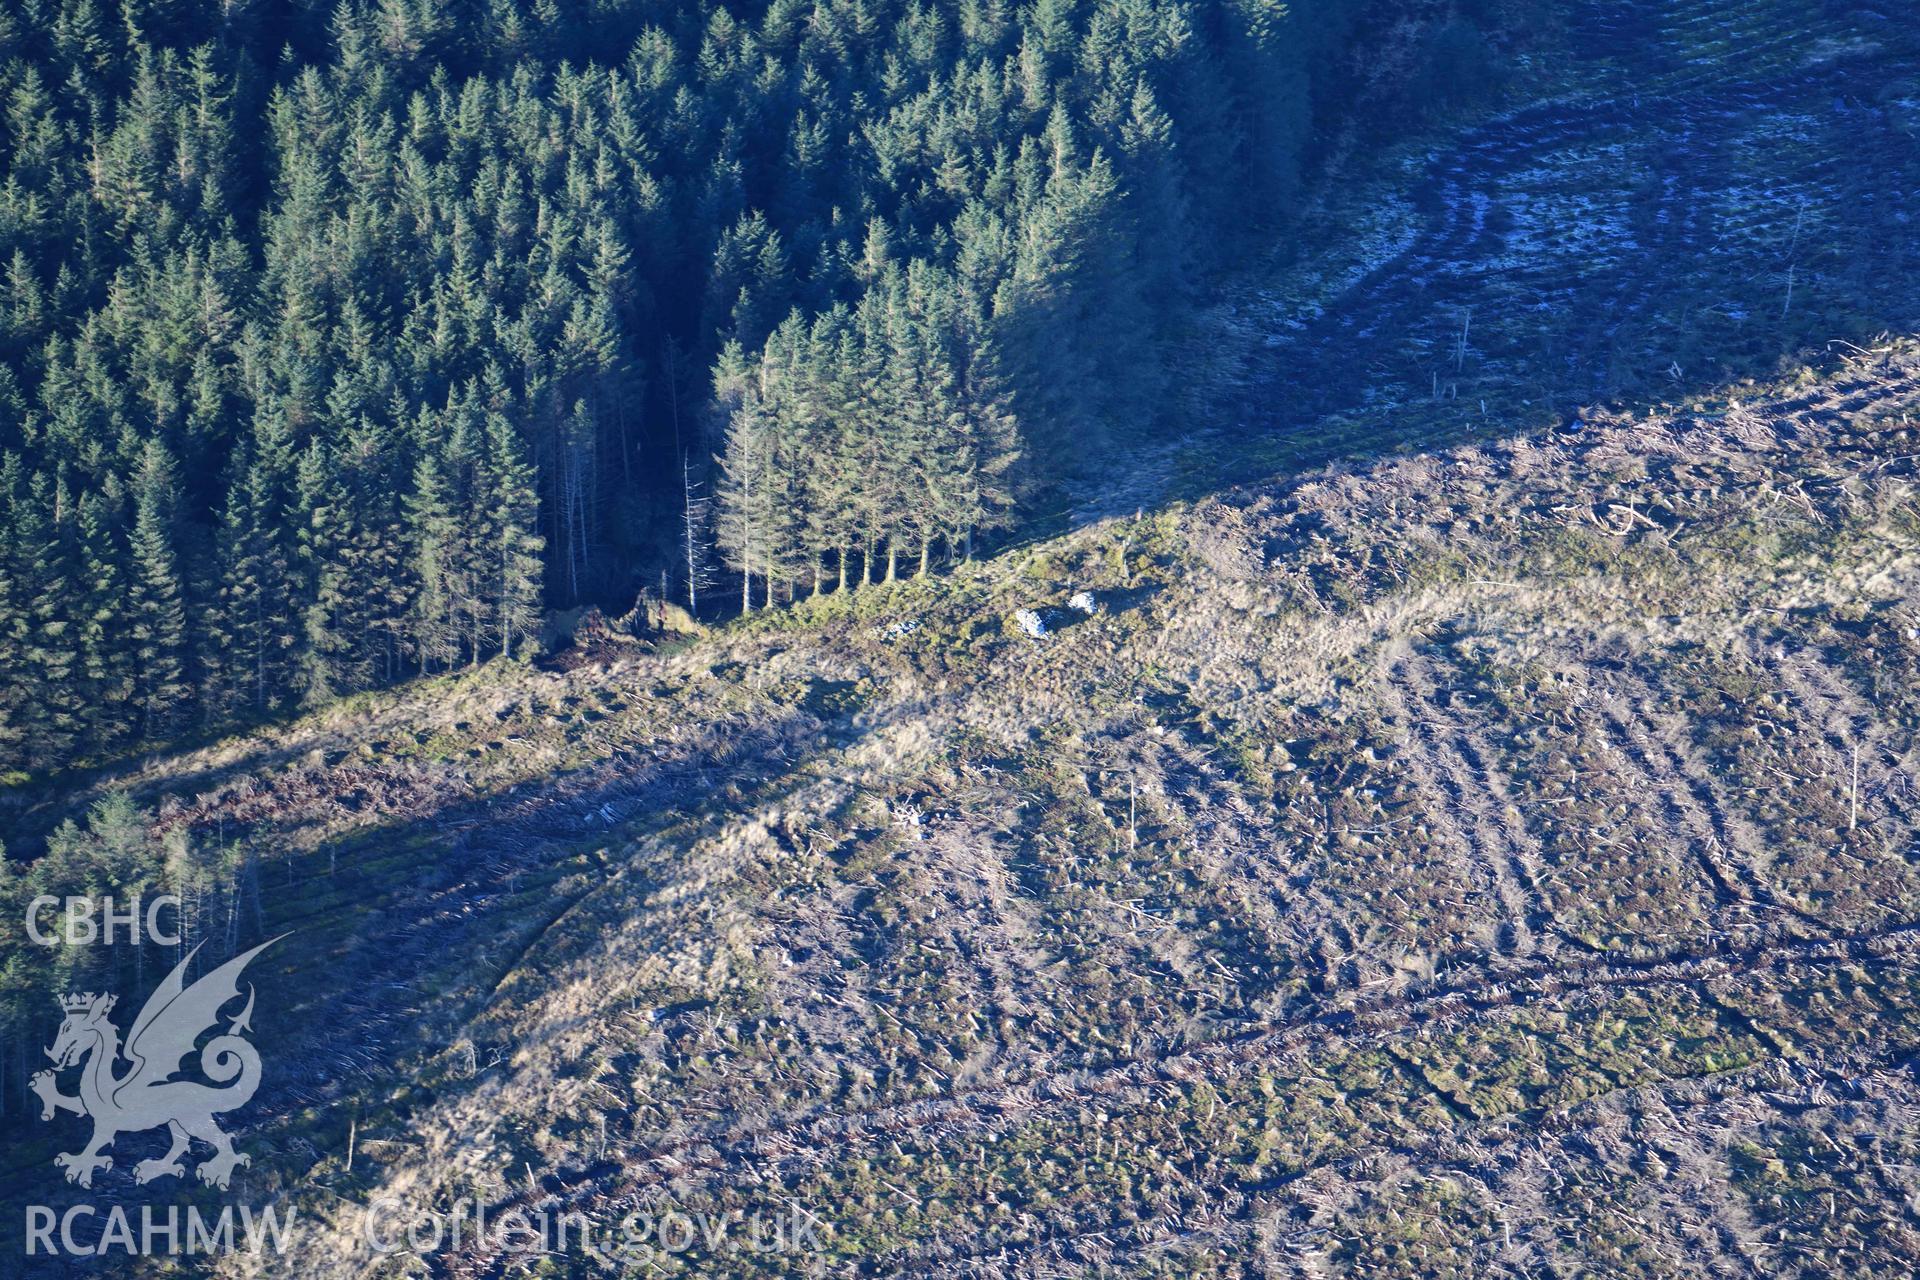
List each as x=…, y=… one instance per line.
x=145, y=1096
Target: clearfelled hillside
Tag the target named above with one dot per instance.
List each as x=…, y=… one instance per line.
x=1422, y=861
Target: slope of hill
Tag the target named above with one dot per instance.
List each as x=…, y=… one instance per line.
x=1499, y=860
x=1468, y=843
x=1435, y=843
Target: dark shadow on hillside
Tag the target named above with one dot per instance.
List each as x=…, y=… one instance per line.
x=432, y=911
x=1657, y=240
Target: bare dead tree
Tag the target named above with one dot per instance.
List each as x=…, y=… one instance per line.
x=693, y=524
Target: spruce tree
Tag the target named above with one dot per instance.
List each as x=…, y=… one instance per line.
x=743, y=529
x=15, y=688
x=109, y=663
x=512, y=516
x=157, y=622
x=321, y=535
x=50, y=654
x=255, y=619
x=432, y=545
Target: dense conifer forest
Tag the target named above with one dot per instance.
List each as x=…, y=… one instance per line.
x=338, y=342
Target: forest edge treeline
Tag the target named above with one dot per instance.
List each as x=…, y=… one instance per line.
x=338, y=343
